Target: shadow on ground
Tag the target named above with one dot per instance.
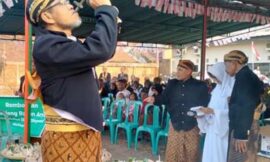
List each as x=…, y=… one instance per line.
x=120, y=151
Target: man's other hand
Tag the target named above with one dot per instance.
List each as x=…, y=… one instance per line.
x=240, y=146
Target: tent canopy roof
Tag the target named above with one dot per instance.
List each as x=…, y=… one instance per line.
x=147, y=25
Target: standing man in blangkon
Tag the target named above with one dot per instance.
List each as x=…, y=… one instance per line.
x=179, y=96
x=245, y=98
x=68, y=80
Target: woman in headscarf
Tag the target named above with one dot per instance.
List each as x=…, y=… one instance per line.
x=215, y=122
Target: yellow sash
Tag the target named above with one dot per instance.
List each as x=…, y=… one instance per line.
x=56, y=123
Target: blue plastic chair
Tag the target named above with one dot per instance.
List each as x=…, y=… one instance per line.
x=164, y=132
x=105, y=104
x=112, y=121
x=151, y=129
x=127, y=125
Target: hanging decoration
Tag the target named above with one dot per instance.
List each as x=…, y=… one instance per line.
x=225, y=41
x=6, y=4
x=192, y=10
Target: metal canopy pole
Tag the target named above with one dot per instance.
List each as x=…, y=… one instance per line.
x=27, y=57
x=204, y=37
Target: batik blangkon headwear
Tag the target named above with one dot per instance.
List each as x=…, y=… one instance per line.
x=34, y=9
x=187, y=64
x=236, y=55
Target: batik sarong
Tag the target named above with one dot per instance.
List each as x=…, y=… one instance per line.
x=252, y=146
x=183, y=146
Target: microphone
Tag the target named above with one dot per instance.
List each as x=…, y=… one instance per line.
x=79, y=5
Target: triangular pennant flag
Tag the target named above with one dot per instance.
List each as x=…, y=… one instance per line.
x=190, y=9
x=254, y=16
x=195, y=8
x=1, y=10
x=234, y=39
x=9, y=3
x=144, y=3
x=159, y=5
x=200, y=9
x=137, y=2
x=176, y=8
x=182, y=8
x=268, y=20
x=154, y=3
x=224, y=15
x=215, y=43
x=220, y=42
x=220, y=13
x=212, y=13
x=171, y=7
x=263, y=20
x=186, y=10
x=166, y=6
x=228, y=40
x=149, y=3
x=258, y=19
x=246, y=17
x=209, y=9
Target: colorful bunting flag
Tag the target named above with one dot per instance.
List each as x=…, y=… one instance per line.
x=9, y=3
x=190, y=9
x=6, y=4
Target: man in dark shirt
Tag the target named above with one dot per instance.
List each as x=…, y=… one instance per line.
x=179, y=96
x=123, y=75
x=105, y=76
x=243, y=102
x=69, y=83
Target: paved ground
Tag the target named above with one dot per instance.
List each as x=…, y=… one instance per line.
x=120, y=151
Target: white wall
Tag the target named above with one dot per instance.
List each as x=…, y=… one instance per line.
x=215, y=54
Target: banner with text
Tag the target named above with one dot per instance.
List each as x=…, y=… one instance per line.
x=14, y=108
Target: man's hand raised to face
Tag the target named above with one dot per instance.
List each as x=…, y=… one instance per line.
x=96, y=3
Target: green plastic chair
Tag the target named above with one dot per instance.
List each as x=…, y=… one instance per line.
x=127, y=125
x=164, y=132
x=110, y=95
x=113, y=121
x=151, y=129
x=105, y=106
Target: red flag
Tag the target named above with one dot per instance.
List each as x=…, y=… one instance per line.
x=255, y=51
